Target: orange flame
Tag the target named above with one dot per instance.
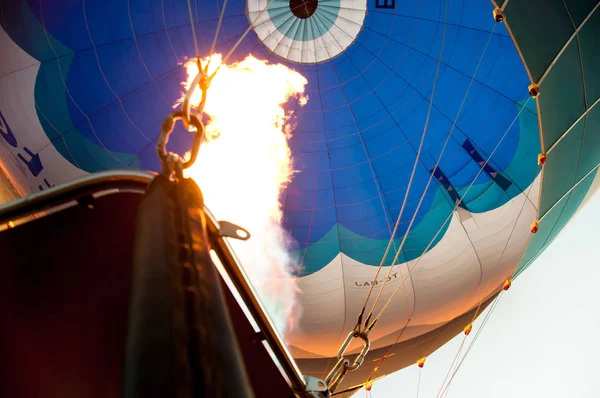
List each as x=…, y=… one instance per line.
x=244, y=170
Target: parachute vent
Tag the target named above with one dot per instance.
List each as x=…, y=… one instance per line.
x=303, y=9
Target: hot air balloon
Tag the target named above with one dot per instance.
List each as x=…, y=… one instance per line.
x=437, y=134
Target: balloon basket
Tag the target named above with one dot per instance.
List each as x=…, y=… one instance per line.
x=92, y=306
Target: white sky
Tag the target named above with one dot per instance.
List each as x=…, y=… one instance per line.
x=542, y=338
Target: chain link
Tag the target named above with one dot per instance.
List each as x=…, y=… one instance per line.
x=185, y=278
x=343, y=365
x=172, y=162
x=168, y=158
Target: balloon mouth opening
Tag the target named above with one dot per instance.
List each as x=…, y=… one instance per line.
x=303, y=9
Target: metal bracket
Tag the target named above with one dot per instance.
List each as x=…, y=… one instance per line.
x=231, y=230
x=316, y=388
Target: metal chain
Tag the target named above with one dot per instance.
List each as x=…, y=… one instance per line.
x=343, y=365
x=171, y=162
x=185, y=278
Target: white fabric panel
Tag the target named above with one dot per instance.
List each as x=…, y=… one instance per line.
x=323, y=301
x=469, y=264
x=17, y=104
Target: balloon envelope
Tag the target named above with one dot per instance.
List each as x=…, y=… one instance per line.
x=85, y=84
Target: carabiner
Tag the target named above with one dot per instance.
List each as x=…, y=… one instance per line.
x=167, y=129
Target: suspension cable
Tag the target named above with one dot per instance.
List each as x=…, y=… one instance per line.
x=340, y=369
x=484, y=323
x=514, y=268
x=243, y=36
x=488, y=315
x=454, y=362
x=419, y=382
x=510, y=275
x=216, y=36
x=192, y=23
x=485, y=290
x=366, y=327
x=412, y=174
x=449, y=215
x=203, y=78
x=394, y=262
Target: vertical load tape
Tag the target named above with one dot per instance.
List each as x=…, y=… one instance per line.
x=180, y=339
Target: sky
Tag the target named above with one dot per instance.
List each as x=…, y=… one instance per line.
x=541, y=340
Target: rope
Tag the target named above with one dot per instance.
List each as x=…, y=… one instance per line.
x=432, y=173
x=193, y=28
x=216, y=36
x=452, y=364
x=487, y=317
x=450, y=215
x=514, y=269
x=433, y=239
x=243, y=36
x=510, y=276
x=419, y=382
x=410, y=181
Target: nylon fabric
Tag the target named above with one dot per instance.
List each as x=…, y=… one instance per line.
x=85, y=84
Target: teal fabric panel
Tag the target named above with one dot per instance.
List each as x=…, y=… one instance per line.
x=561, y=99
x=589, y=42
x=554, y=222
x=579, y=9
x=541, y=27
x=590, y=154
x=560, y=170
